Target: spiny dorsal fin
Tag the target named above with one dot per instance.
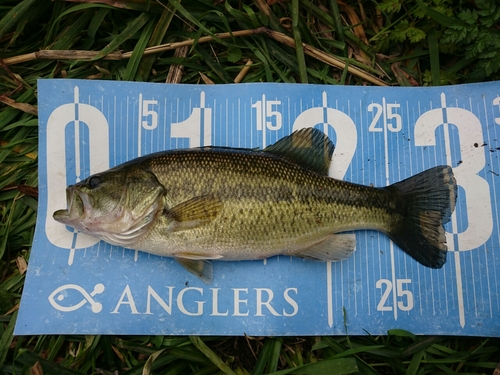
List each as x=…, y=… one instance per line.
x=194, y=212
x=309, y=147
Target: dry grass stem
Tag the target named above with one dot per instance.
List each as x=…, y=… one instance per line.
x=324, y=57
x=243, y=72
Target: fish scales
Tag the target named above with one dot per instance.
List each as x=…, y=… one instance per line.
x=269, y=203
x=235, y=204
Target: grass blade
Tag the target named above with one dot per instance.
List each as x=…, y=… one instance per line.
x=299, y=50
x=202, y=347
x=434, y=57
x=68, y=36
x=5, y=230
x=274, y=356
x=176, y=4
x=133, y=64
x=216, y=68
x=29, y=358
x=327, y=367
x=268, y=357
x=125, y=35
x=267, y=11
x=82, y=7
x=437, y=16
x=149, y=362
x=156, y=39
x=415, y=363
x=96, y=22
x=338, y=20
x=10, y=19
x=6, y=338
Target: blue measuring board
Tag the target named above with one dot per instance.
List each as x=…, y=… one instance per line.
x=78, y=285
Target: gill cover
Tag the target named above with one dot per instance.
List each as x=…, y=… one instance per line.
x=116, y=206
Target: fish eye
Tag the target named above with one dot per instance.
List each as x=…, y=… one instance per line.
x=94, y=182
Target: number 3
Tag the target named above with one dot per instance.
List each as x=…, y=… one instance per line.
x=477, y=190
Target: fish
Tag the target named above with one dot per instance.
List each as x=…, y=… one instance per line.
x=217, y=203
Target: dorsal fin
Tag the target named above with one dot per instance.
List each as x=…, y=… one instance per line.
x=309, y=147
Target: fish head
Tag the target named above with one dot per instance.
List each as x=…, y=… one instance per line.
x=117, y=205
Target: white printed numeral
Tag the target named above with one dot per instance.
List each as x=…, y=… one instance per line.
x=476, y=189
x=197, y=127
x=145, y=111
x=72, y=114
x=392, y=119
x=267, y=114
x=496, y=102
x=344, y=128
x=406, y=296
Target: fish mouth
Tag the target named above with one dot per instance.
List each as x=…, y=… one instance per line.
x=78, y=203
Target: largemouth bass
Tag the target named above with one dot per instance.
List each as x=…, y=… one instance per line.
x=239, y=204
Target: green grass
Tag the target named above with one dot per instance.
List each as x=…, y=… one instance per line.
x=389, y=42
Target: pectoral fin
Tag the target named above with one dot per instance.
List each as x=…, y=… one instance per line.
x=200, y=268
x=194, y=212
x=333, y=248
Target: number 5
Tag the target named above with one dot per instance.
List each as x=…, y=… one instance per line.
x=393, y=115
x=404, y=293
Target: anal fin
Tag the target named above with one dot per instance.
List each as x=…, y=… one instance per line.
x=333, y=248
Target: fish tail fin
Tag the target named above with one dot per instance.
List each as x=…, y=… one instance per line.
x=426, y=202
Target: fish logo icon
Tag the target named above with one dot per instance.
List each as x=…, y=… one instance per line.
x=61, y=293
